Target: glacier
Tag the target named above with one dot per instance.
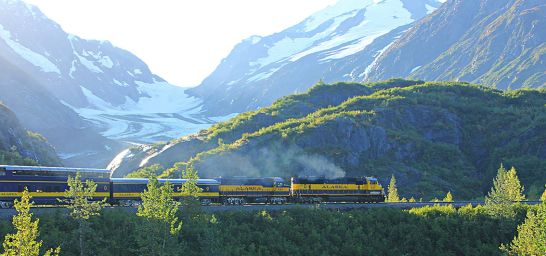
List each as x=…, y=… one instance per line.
x=163, y=112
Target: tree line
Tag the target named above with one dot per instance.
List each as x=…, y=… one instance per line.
x=506, y=191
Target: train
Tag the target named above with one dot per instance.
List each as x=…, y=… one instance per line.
x=48, y=184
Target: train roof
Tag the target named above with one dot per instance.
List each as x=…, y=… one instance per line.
x=172, y=181
x=56, y=169
x=322, y=179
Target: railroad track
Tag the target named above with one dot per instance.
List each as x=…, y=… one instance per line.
x=8, y=213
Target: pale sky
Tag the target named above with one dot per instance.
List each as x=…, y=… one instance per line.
x=180, y=40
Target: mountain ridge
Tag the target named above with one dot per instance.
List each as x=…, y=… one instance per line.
x=260, y=70
x=487, y=42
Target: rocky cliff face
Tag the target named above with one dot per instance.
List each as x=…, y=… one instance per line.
x=434, y=137
x=19, y=146
x=498, y=43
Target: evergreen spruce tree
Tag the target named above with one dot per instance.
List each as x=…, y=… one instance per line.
x=531, y=237
x=24, y=241
x=159, y=211
x=190, y=188
x=79, y=198
x=393, y=191
x=506, y=190
x=449, y=197
x=190, y=191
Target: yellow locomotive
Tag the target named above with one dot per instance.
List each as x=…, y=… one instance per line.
x=347, y=189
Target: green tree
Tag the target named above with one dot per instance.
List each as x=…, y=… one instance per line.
x=175, y=171
x=412, y=200
x=506, y=190
x=393, y=191
x=159, y=211
x=24, y=242
x=190, y=188
x=146, y=172
x=543, y=197
x=531, y=237
x=79, y=198
x=449, y=197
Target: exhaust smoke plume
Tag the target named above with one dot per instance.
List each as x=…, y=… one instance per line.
x=272, y=160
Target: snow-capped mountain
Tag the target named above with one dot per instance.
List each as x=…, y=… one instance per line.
x=495, y=43
x=337, y=43
x=113, y=92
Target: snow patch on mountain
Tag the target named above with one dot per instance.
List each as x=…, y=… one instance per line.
x=313, y=47
x=374, y=62
x=376, y=23
x=106, y=62
x=430, y=9
x=333, y=11
x=34, y=58
x=263, y=75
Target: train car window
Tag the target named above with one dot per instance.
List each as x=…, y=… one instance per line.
x=60, y=173
x=20, y=188
x=39, y=189
x=2, y=172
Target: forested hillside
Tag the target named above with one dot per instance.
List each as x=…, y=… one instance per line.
x=425, y=231
x=22, y=147
x=434, y=137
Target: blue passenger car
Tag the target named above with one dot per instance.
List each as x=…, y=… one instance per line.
x=47, y=184
x=127, y=191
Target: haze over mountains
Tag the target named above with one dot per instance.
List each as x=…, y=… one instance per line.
x=87, y=97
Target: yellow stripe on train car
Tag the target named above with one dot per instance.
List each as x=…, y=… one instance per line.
x=307, y=194
x=48, y=194
x=234, y=188
x=43, y=181
x=328, y=187
x=137, y=194
x=282, y=189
